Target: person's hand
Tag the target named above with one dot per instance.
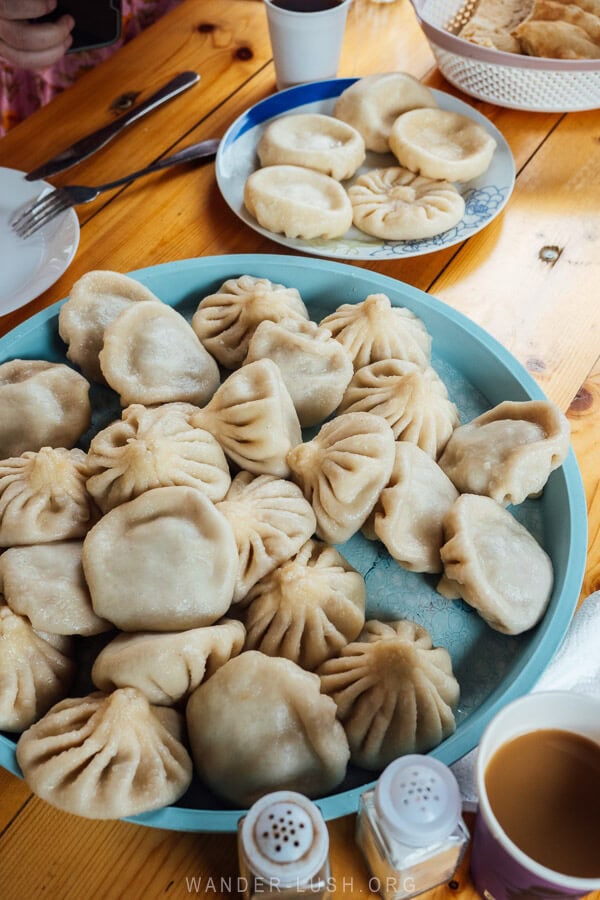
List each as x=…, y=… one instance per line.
x=32, y=45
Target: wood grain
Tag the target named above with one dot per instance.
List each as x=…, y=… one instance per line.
x=531, y=277
x=584, y=416
x=14, y=793
x=206, y=38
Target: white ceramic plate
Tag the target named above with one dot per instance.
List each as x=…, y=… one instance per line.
x=32, y=265
x=484, y=197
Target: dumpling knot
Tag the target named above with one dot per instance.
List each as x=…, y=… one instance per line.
x=375, y=305
x=403, y=193
x=52, y=471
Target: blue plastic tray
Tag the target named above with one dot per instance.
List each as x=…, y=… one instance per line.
x=492, y=668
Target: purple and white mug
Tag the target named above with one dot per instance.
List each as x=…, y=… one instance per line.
x=500, y=870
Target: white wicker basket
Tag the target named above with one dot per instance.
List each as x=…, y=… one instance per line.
x=506, y=79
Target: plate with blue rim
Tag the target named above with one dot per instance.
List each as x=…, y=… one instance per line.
x=485, y=197
x=491, y=668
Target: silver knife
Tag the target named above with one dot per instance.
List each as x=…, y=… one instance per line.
x=88, y=145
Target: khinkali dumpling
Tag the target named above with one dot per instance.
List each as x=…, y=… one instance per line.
x=95, y=301
x=165, y=561
x=315, y=368
x=43, y=404
x=409, y=513
x=34, y=672
x=308, y=608
x=372, y=105
x=495, y=565
x=45, y=582
x=395, y=692
x=375, y=330
x=253, y=418
x=343, y=470
x=298, y=202
x=315, y=141
x=106, y=756
x=508, y=452
x=441, y=144
x=156, y=447
x=166, y=668
x=260, y=724
x=412, y=400
x=226, y=321
x=270, y=519
x=151, y=355
x=397, y=205
x=43, y=497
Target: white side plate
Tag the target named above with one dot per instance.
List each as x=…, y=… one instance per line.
x=30, y=266
x=484, y=197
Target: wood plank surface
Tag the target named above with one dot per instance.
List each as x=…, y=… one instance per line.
x=14, y=794
x=539, y=302
x=225, y=43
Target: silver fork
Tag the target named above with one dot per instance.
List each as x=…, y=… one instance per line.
x=26, y=221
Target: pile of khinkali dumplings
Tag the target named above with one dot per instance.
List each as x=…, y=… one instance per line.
x=190, y=551
x=304, y=157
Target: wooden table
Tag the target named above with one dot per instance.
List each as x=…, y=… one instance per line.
x=546, y=311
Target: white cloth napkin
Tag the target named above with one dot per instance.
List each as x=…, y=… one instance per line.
x=575, y=667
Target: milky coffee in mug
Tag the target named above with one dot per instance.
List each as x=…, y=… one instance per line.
x=537, y=832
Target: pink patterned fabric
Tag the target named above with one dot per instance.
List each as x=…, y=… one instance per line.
x=23, y=91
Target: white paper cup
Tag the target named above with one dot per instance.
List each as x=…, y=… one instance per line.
x=500, y=870
x=306, y=45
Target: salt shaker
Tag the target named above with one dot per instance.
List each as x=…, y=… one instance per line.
x=283, y=849
x=410, y=828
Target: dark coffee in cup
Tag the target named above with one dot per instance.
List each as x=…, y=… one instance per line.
x=544, y=790
x=309, y=6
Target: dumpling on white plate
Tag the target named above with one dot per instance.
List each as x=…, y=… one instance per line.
x=43, y=497
x=409, y=514
x=395, y=692
x=413, y=401
x=271, y=520
x=509, y=451
x=261, y=724
x=165, y=561
x=36, y=670
x=373, y=103
x=43, y=404
x=441, y=144
x=397, y=205
x=343, y=470
x=375, y=330
x=315, y=368
x=253, y=418
x=45, y=582
x=167, y=667
x=315, y=141
x=298, y=202
x=106, y=756
x=95, y=301
x=151, y=355
x=495, y=565
x=154, y=447
x=225, y=321
x=308, y=608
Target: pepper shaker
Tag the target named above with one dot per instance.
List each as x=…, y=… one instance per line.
x=410, y=828
x=283, y=849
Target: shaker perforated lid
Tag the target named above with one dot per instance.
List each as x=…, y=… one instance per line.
x=284, y=837
x=418, y=799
